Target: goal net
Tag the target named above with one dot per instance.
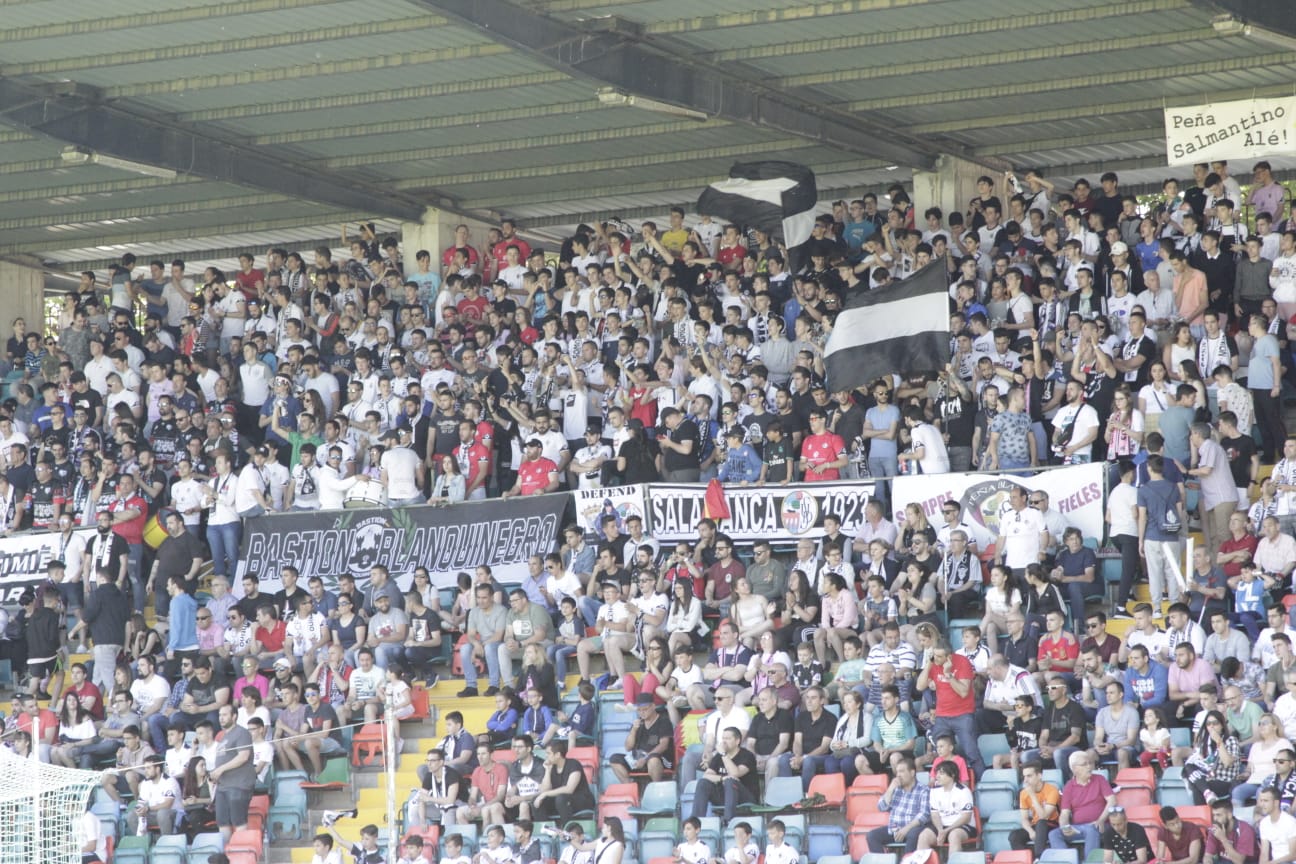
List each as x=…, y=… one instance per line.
x=40, y=810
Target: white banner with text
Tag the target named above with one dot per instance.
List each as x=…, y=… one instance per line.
x=1245, y=129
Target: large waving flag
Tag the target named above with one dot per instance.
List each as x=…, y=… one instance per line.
x=901, y=328
x=776, y=197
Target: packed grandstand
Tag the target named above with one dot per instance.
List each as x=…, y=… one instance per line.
x=1032, y=604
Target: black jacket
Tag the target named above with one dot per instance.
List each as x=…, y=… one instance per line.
x=106, y=611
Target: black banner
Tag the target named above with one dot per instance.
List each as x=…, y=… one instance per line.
x=446, y=540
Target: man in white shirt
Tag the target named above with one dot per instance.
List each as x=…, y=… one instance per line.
x=1277, y=828
x=251, y=495
x=1023, y=536
x=401, y=472
x=156, y=802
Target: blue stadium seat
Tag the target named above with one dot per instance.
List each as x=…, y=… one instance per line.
x=825, y=840
x=991, y=746
x=1060, y=856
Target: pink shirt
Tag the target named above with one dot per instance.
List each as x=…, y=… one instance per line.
x=1086, y=802
x=840, y=612
x=1191, y=679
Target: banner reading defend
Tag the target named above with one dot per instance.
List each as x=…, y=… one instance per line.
x=1245, y=129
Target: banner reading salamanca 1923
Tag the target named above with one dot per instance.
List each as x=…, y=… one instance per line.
x=780, y=514
x=446, y=540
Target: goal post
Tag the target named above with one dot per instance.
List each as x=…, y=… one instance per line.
x=40, y=810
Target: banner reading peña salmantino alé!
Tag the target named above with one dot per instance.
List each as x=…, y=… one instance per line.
x=446, y=540
x=1244, y=129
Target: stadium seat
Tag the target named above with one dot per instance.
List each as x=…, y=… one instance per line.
x=659, y=799
x=1180, y=736
x=288, y=814
x=1142, y=777
x=998, y=778
x=1199, y=814
x=686, y=797
x=1134, y=796
x=995, y=799
x=246, y=840
x=857, y=842
x=1174, y=796
x=1144, y=814
x=966, y=857
x=131, y=850
x=367, y=745
x=860, y=801
x=991, y=746
x=846, y=859
x=877, y=858
x=169, y=849
x=1060, y=856
x=588, y=758
x=657, y=843
x=781, y=793
x=258, y=809
x=711, y=832
x=997, y=828
x=628, y=792
x=874, y=782
x=1023, y=856
x=832, y=787
x=824, y=840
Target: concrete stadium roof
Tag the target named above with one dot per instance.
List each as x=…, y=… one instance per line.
x=279, y=120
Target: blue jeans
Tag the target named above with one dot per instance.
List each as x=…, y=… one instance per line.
x=963, y=728
x=1061, y=759
x=387, y=652
x=224, y=543
x=1244, y=791
x=589, y=607
x=492, y=663
x=810, y=766
x=883, y=466
x=406, y=502
x=558, y=655
x=1058, y=840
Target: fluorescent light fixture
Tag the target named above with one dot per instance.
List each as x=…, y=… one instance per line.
x=612, y=97
x=1227, y=25
x=80, y=156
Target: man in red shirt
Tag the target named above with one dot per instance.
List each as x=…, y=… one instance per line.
x=86, y=692
x=509, y=237
x=472, y=308
x=461, y=243
x=823, y=453
x=129, y=513
x=536, y=475
x=473, y=459
x=1058, y=649
x=721, y=576
x=268, y=638
x=951, y=676
x=29, y=711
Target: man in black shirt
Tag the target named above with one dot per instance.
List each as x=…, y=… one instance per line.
x=650, y=743
x=286, y=600
x=564, y=790
x=1063, y=731
x=812, y=735
x=770, y=733
x=680, y=448
x=440, y=790
x=777, y=455
x=730, y=779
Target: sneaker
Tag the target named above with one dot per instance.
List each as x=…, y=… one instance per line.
x=432, y=680
x=490, y=691
x=467, y=692
x=1122, y=614
x=613, y=683
x=42, y=695
x=82, y=648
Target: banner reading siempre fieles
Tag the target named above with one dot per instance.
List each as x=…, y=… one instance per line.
x=23, y=559
x=780, y=514
x=1075, y=491
x=446, y=540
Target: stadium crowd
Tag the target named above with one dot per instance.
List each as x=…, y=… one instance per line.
x=1084, y=327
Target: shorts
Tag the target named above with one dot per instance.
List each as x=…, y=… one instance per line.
x=231, y=806
x=43, y=668
x=328, y=747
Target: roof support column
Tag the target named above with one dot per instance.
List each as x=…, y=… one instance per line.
x=24, y=294
x=435, y=232
x=950, y=186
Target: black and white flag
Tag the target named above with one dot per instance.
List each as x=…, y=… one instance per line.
x=777, y=197
x=901, y=328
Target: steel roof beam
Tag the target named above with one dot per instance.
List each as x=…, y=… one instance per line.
x=154, y=18
x=616, y=59
x=1181, y=72
x=220, y=48
x=882, y=38
x=74, y=119
x=941, y=63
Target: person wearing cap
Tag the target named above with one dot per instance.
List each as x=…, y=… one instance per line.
x=742, y=464
x=649, y=745
x=252, y=494
x=536, y=475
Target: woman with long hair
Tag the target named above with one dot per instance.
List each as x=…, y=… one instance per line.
x=801, y=606
x=1042, y=596
x=196, y=794
x=76, y=732
x=1124, y=427
x=1216, y=760
x=1155, y=396
x=852, y=735
x=1182, y=346
x=1192, y=375
x=751, y=613
x=915, y=522
x=657, y=668
x=684, y=620
x=451, y=486
x=918, y=599
x=769, y=653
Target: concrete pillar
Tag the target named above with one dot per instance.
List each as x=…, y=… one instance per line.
x=950, y=187
x=435, y=232
x=22, y=295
